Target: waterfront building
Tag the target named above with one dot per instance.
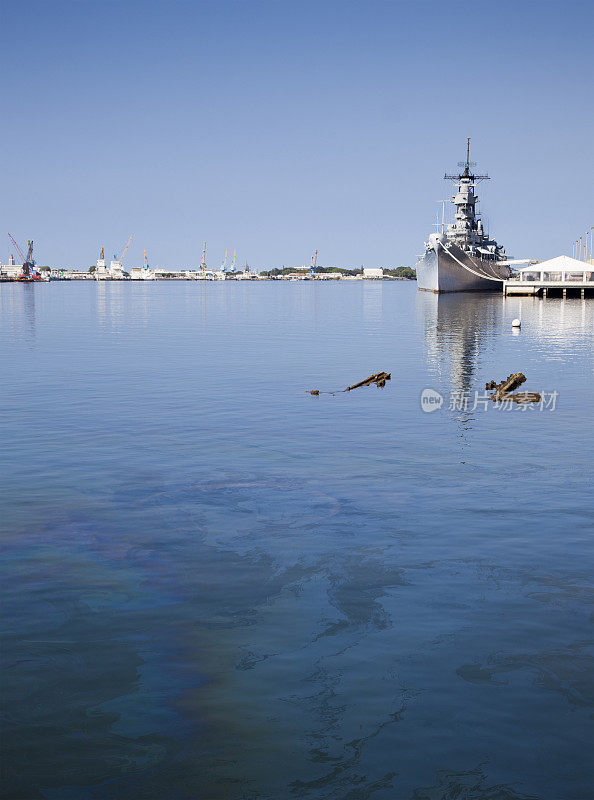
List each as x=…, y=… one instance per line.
x=372, y=272
x=10, y=270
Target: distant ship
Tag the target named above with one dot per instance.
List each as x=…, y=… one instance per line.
x=462, y=257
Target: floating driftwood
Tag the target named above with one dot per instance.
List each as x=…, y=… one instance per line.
x=504, y=390
x=508, y=385
x=379, y=379
x=521, y=397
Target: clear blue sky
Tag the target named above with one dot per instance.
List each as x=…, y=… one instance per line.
x=279, y=127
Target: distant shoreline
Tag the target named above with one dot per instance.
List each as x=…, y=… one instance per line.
x=89, y=278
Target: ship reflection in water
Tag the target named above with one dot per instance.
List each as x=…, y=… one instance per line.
x=464, y=334
x=458, y=328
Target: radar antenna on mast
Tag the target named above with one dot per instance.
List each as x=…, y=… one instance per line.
x=468, y=166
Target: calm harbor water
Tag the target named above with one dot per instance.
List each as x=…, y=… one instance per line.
x=218, y=587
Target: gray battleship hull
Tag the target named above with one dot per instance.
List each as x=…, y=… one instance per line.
x=453, y=270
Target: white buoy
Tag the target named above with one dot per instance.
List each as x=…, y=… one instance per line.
x=516, y=324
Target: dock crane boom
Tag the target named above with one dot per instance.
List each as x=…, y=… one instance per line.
x=126, y=248
x=19, y=251
x=28, y=261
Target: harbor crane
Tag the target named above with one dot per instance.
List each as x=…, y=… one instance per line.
x=233, y=262
x=125, y=249
x=224, y=264
x=314, y=262
x=203, y=262
x=28, y=261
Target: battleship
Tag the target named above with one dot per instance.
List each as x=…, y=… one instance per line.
x=462, y=257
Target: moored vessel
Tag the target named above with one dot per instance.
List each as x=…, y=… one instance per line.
x=462, y=257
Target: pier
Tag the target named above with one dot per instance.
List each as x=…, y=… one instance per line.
x=558, y=277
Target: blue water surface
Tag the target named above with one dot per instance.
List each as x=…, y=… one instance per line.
x=217, y=586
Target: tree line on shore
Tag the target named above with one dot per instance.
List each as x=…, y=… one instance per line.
x=397, y=272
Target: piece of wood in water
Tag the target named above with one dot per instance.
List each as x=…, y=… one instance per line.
x=510, y=383
x=377, y=378
x=527, y=397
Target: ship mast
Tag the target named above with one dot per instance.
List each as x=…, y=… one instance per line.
x=467, y=170
x=466, y=229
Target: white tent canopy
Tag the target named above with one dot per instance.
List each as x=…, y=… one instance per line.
x=558, y=264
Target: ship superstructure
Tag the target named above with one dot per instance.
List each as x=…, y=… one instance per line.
x=462, y=257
